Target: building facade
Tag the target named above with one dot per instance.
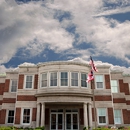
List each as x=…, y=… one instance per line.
x=56, y=95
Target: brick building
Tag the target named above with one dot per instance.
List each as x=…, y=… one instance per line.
x=56, y=95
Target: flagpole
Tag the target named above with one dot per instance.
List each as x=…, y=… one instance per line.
x=92, y=87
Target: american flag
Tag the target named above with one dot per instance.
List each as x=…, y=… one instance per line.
x=92, y=64
x=90, y=76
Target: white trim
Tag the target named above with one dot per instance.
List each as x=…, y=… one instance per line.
x=25, y=76
x=22, y=116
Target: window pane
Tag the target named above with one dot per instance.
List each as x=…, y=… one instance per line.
x=114, y=86
x=26, y=116
x=117, y=116
x=74, y=79
x=53, y=80
x=99, y=85
x=102, y=115
x=83, y=80
x=29, y=81
x=102, y=119
x=14, y=86
x=99, y=78
x=64, y=78
x=44, y=80
x=99, y=81
x=11, y=116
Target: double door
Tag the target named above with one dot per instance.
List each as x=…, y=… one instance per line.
x=64, y=121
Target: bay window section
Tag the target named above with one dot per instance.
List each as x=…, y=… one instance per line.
x=74, y=79
x=114, y=86
x=53, y=79
x=83, y=80
x=101, y=116
x=13, y=85
x=29, y=81
x=44, y=80
x=99, y=81
x=64, y=78
x=117, y=116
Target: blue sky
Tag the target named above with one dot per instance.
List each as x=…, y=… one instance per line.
x=55, y=30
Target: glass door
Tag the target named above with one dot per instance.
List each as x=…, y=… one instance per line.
x=71, y=121
x=56, y=121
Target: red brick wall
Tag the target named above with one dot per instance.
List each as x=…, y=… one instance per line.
x=9, y=100
x=7, y=83
x=35, y=81
x=34, y=114
x=119, y=100
x=103, y=98
x=107, y=82
x=47, y=119
x=2, y=88
x=26, y=98
x=110, y=116
x=126, y=116
x=2, y=117
x=17, y=115
x=81, y=111
x=124, y=87
x=21, y=81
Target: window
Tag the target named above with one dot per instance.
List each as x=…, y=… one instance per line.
x=13, y=85
x=29, y=80
x=64, y=78
x=99, y=81
x=44, y=80
x=114, y=86
x=74, y=79
x=117, y=116
x=53, y=79
x=101, y=115
x=26, y=116
x=10, y=116
x=83, y=80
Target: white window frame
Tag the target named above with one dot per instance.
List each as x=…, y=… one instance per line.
x=67, y=78
x=120, y=116
x=77, y=79
x=7, y=115
x=50, y=78
x=103, y=81
x=25, y=77
x=117, y=87
x=41, y=79
x=22, y=116
x=81, y=80
x=105, y=116
x=11, y=85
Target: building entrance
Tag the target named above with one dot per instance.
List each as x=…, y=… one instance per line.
x=64, y=120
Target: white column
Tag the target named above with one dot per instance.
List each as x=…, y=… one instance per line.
x=90, y=114
x=38, y=115
x=85, y=115
x=43, y=115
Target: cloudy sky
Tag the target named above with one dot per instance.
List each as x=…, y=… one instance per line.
x=54, y=30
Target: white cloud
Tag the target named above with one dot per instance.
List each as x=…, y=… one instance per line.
x=30, y=26
x=33, y=26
